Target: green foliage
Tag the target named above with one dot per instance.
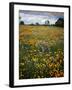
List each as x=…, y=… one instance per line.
x=60, y=22
x=21, y=23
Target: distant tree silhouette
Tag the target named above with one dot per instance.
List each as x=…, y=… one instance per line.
x=47, y=22
x=37, y=23
x=19, y=17
x=31, y=24
x=21, y=23
x=60, y=22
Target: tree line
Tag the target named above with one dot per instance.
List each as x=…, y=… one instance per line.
x=59, y=23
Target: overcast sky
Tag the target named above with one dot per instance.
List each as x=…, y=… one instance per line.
x=39, y=16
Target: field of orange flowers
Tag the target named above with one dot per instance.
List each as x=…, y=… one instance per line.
x=41, y=52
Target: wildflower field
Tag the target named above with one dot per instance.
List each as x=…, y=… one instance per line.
x=41, y=51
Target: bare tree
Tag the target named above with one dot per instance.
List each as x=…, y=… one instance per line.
x=47, y=22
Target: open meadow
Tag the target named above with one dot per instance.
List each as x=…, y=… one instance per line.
x=41, y=51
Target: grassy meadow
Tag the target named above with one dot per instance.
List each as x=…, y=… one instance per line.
x=41, y=52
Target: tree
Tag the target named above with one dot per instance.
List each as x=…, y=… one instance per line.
x=47, y=22
x=21, y=23
x=31, y=24
x=19, y=17
x=60, y=22
x=37, y=23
